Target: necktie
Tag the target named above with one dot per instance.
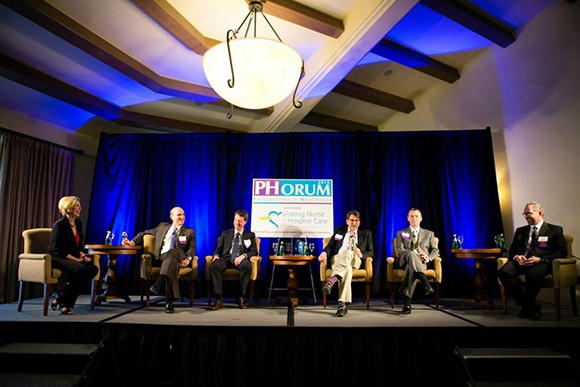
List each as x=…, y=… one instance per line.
x=352, y=240
x=173, y=240
x=236, y=247
x=533, y=242
x=415, y=239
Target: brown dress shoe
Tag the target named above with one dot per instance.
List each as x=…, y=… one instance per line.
x=218, y=305
x=241, y=303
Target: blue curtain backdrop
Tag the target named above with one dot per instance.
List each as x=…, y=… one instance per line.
x=450, y=175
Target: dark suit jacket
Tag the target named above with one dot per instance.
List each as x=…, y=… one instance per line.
x=186, y=249
x=225, y=240
x=62, y=239
x=554, y=247
x=364, y=238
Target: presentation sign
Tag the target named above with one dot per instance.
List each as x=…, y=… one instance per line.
x=292, y=208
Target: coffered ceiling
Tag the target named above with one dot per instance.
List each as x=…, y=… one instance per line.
x=136, y=65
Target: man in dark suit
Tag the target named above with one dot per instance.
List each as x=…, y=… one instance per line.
x=531, y=253
x=174, y=248
x=350, y=246
x=415, y=248
x=235, y=247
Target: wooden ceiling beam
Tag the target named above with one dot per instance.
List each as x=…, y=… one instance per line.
x=474, y=19
x=304, y=16
x=336, y=124
x=415, y=60
x=374, y=96
x=151, y=122
x=50, y=18
x=173, y=22
x=34, y=79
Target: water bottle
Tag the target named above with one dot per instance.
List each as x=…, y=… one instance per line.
x=454, y=243
x=281, y=248
x=109, y=238
x=306, y=248
x=124, y=236
x=502, y=245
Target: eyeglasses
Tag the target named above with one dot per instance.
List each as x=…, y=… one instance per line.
x=528, y=213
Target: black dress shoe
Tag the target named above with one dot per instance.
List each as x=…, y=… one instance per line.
x=241, y=303
x=341, y=312
x=429, y=290
x=218, y=305
x=406, y=309
x=169, y=308
x=526, y=313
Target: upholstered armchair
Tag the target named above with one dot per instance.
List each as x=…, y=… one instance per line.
x=34, y=265
x=362, y=275
x=150, y=273
x=395, y=276
x=234, y=275
x=564, y=275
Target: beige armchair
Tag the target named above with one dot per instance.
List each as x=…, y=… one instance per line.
x=564, y=275
x=395, y=276
x=150, y=273
x=35, y=266
x=363, y=275
x=234, y=275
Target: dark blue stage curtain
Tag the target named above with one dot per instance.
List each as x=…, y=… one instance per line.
x=449, y=175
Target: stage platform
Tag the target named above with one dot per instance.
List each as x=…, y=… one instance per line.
x=262, y=344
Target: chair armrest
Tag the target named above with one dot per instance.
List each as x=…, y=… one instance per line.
x=208, y=259
x=390, y=268
x=34, y=267
x=438, y=270
x=256, y=263
x=323, y=270
x=146, y=265
x=369, y=268
x=564, y=272
x=501, y=261
x=96, y=259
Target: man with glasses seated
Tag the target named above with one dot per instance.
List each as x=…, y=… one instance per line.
x=350, y=246
x=531, y=253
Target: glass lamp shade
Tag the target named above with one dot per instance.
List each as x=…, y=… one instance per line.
x=265, y=71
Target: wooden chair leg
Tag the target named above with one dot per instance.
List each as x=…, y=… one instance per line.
x=557, y=301
x=503, y=298
x=192, y=293
x=573, y=300
x=368, y=294
x=252, y=293
x=208, y=292
x=94, y=284
x=323, y=297
x=437, y=294
x=20, y=296
x=45, y=301
x=392, y=294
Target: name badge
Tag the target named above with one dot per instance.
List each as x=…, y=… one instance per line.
x=543, y=241
x=182, y=239
x=405, y=235
x=247, y=243
x=338, y=237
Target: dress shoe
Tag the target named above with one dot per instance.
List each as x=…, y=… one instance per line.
x=218, y=305
x=169, y=308
x=406, y=309
x=241, y=303
x=525, y=312
x=429, y=290
x=341, y=312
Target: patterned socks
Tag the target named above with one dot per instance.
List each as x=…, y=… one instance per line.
x=329, y=284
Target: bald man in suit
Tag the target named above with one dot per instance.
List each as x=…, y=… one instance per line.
x=174, y=248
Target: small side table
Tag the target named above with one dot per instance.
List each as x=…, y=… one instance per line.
x=480, y=282
x=112, y=251
x=291, y=262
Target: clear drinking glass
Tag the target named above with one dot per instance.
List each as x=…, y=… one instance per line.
x=496, y=241
x=460, y=240
x=311, y=248
x=275, y=248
